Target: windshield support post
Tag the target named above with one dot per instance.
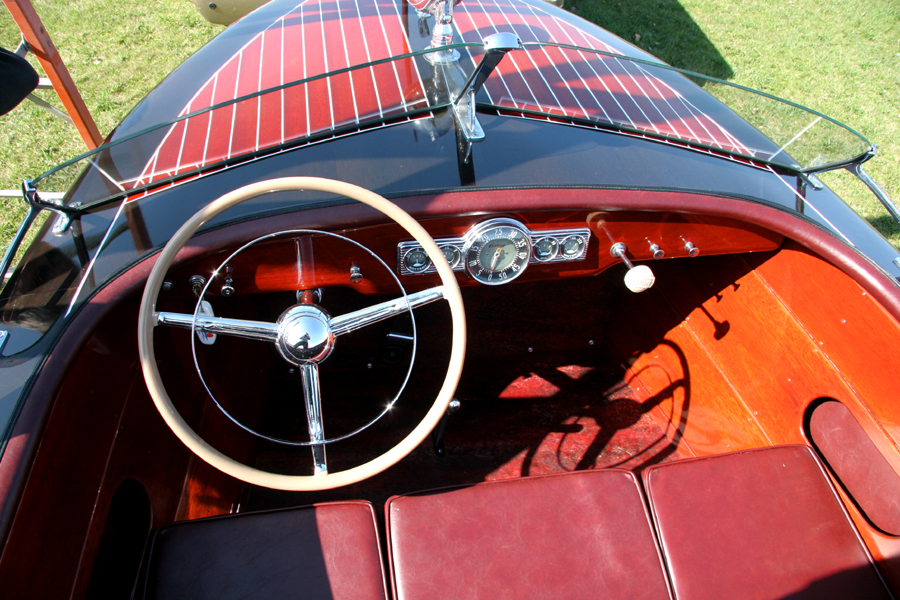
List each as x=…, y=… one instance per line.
x=856, y=169
x=13, y=248
x=495, y=48
x=800, y=204
x=35, y=205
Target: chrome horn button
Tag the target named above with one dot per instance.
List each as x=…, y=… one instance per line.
x=304, y=334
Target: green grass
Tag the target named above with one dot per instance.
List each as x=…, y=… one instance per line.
x=116, y=53
x=840, y=58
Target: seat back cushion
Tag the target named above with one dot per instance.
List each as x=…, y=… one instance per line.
x=578, y=535
x=327, y=551
x=758, y=525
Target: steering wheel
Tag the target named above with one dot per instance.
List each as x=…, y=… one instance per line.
x=304, y=335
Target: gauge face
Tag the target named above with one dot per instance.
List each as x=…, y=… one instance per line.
x=452, y=254
x=572, y=246
x=497, y=251
x=416, y=260
x=546, y=249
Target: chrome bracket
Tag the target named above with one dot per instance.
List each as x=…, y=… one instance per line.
x=35, y=205
x=464, y=113
x=63, y=221
x=495, y=48
x=812, y=181
x=66, y=213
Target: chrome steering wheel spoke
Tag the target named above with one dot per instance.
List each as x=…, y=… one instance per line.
x=304, y=336
x=312, y=397
x=384, y=310
x=268, y=332
x=251, y=330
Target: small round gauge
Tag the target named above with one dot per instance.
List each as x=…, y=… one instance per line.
x=416, y=260
x=572, y=246
x=497, y=251
x=452, y=254
x=546, y=249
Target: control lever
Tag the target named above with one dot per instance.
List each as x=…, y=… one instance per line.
x=437, y=434
x=638, y=278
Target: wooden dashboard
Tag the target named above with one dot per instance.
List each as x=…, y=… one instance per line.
x=300, y=259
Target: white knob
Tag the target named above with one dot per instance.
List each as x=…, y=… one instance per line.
x=639, y=279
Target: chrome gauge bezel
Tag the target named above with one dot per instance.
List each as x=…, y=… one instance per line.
x=552, y=254
x=452, y=253
x=515, y=258
x=458, y=243
x=580, y=242
x=421, y=267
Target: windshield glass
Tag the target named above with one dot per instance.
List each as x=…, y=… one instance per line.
x=580, y=85
x=211, y=134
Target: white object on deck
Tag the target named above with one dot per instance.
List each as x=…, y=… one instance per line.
x=226, y=12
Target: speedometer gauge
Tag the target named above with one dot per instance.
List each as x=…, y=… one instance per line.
x=497, y=251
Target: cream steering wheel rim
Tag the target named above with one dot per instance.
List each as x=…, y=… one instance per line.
x=147, y=322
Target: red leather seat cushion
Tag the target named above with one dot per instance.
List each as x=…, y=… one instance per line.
x=579, y=535
x=761, y=525
x=325, y=551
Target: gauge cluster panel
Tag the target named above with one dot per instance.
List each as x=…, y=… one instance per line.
x=497, y=251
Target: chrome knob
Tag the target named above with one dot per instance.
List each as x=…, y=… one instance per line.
x=355, y=274
x=228, y=288
x=692, y=250
x=658, y=253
